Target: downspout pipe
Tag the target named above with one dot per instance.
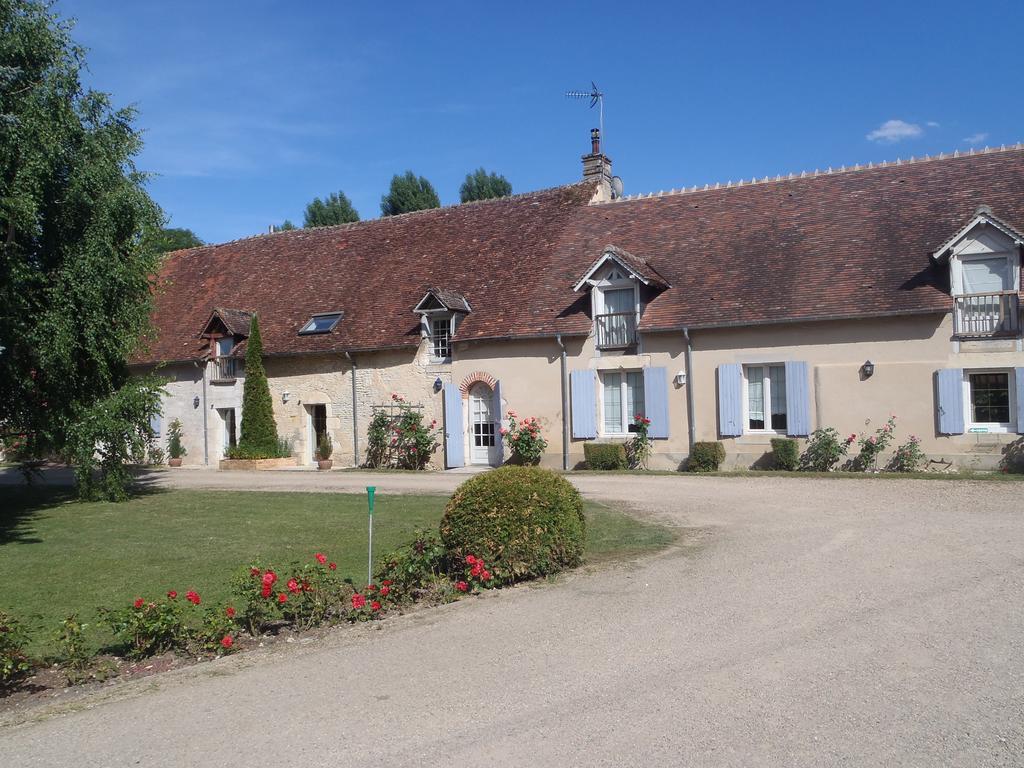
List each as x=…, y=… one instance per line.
x=691, y=427
x=565, y=403
x=355, y=413
x=206, y=428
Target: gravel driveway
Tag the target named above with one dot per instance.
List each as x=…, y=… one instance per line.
x=800, y=622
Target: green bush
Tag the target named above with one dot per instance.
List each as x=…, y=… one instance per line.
x=283, y=451
x=324, y=448
x=414, y=570
x=605, y=455
x=825, y=449
x=785, y=453
x=706, y=457
x=174, y=446
x=523, y=521
x=13, y=661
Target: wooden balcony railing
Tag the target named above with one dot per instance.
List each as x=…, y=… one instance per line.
x=984, y=315
x=616, y=330
x=225, y=369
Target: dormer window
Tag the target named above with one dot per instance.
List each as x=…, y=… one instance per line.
x=984, y=277
x=322, y=323
x=441, y=310
x=616, y=280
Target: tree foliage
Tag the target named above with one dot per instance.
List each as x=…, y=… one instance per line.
x=336, y=209
x=259, y=432
x=167, y=239
x=481, y=185
x=408, y=193
x=75, y=265
x=285, y=226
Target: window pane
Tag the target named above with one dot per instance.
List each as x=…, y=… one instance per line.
x=225, y=345
x=777, y=385
x=755, y=397
x=613, y=403
x=986, y=275
x=441, y=334
x=619, y=301
x=990, y=398
x=634, y=397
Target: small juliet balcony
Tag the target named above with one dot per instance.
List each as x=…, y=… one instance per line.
x=225, y=369
x=616, y=330
x=987, y=315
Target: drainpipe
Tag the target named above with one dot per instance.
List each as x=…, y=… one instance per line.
x=206, y=429
x=688, y=360
x=355, y=413
x=565, y=404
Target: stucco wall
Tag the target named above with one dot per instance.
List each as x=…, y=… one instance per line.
x=906, y=351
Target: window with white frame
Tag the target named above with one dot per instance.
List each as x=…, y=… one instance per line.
x=765, y=398
x=441, y=337
x=622, y=395
x=990, y=400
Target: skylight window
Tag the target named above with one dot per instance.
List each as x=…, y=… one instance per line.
x=322, y=323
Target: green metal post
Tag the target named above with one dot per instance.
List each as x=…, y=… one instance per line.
x=370, y=491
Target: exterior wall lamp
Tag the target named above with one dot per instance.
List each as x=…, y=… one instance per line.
x=868, y=369
x=681, y=378
x=438, y=384
x=285, y=395
x=195, y=401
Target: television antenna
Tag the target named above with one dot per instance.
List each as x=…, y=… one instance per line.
x=596, y=100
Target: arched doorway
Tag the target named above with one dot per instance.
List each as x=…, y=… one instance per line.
x=483, y=441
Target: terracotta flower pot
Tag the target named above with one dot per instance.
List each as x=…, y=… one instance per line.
x=324, y=464
x=174, y=462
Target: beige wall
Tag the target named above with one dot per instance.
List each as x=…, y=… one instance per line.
x=906, y=351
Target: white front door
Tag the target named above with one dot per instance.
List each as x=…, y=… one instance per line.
x=482, y=442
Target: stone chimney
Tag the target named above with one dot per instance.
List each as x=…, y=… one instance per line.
x=597, y=167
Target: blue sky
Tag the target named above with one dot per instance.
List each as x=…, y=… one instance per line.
x=251, y=109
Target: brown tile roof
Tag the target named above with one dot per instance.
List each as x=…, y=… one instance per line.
x=844, y=244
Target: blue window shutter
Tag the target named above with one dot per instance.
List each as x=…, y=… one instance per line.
x=499, y=418
x=155, y=423
x=454, y=452
x=584, y=403
x=730, y=400
x=798, y=400
x=656, y=401
x=1018, y=374
x=950, y=400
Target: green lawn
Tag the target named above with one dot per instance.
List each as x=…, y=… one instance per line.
x=58, y=556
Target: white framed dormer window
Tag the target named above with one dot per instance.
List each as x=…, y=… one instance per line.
x=622, y=398
x=764, y=398
x=441, y=328
x=616, y=308
x=990, y=401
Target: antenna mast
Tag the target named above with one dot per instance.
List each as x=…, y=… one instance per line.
x=596, y=100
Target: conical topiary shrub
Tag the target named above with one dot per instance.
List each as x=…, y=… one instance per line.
x=259, y=432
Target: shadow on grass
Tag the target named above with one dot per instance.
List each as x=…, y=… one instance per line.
x=22, y=504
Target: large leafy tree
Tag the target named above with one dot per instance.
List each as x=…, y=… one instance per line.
x=75, y=267
x=481, y=185
x=168, y=239
x=408, y=192
x=336, y=209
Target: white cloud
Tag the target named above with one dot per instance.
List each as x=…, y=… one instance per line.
x=932, y=124
x=892, y=131
x=976, y=138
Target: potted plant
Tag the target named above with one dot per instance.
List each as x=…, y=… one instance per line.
x=323, y=452
x=174, y=447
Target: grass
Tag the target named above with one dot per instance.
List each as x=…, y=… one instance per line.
x=59, y=556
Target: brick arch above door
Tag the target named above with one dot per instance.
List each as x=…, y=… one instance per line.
x=477, y=377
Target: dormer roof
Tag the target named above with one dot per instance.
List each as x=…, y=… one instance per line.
x=983, y=216
x=233, y=322
x=634, y=266
x=442, y=299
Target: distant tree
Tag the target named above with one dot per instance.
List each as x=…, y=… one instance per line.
x=336, y=209
x=168, y=239
x=481, y=185
x=75, y=275
x=285, y=226
x=408, y=193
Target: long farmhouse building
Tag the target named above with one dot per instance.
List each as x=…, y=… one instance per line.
x=735, y=312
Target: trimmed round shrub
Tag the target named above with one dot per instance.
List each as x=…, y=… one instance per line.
x=523, y=521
